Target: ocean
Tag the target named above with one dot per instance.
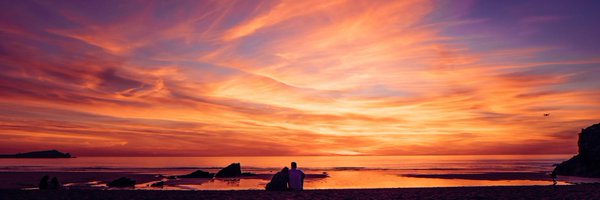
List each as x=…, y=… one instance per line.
x=341, y=171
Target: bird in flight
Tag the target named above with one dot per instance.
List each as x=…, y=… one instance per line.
x=546, y=114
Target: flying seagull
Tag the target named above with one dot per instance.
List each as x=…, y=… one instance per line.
x=546, y=114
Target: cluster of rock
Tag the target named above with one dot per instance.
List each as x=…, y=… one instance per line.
x=158, y=184
x=122, y=182
x=231, y=171
x=198, y=174
x=587, y=162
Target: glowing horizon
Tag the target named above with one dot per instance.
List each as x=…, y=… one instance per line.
x=214, y=78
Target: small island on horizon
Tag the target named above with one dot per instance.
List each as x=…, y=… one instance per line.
x=38, y=154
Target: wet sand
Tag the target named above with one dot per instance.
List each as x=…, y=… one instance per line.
x=488, y=176
x=18, y=180
x=98, y=180
x=492, y=192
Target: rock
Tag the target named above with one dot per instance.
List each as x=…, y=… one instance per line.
x=122, y=182
x=248, y=174
x=233, y=170
x=587, y=162
x=158, y=184
x=198, y=174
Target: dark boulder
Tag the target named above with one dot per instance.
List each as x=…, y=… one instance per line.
x=233, y=170
x=198, y=174
x=248, y=174
x=587, y=162
x=122, y=182
x=158, y=184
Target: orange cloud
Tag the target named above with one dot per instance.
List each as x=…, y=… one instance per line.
x=280, y=78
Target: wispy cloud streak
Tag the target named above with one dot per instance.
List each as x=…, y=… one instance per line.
x=284, y=78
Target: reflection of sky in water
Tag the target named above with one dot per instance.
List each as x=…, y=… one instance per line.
x=348, y=179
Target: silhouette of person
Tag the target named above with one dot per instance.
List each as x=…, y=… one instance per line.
x=553, y=176
x=44, y=183
x=279, y=182
x=296, y=177
x=54, y=184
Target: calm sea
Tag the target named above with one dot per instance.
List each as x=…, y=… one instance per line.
x=343, y=171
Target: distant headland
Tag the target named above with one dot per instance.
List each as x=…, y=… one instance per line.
x=38, y=154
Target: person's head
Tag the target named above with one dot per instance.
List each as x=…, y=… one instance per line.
x=285, y=170
x=294, y=165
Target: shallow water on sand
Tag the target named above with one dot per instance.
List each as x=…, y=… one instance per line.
x=342, y=171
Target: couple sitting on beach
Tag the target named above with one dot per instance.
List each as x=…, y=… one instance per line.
x=287, y=179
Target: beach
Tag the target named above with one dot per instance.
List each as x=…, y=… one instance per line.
x=323, y=172
x=586, y=191
x=390, y=177
x=309, y=99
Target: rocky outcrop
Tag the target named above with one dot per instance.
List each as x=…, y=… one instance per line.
x=198, y=174
x=122, y=182
x=587, y=162
x=248, y=174
x=158, y=184
x=589, y=142
x=39, y=154
x=233, y=170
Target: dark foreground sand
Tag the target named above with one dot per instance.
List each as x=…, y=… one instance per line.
x=505, y=192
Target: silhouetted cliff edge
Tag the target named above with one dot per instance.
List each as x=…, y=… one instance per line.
x=587, y=162
x=39, y=154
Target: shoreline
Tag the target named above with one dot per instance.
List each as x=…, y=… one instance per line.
x=584, y=191
x=97, y=180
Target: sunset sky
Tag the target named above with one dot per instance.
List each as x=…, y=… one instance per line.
x=288, y=77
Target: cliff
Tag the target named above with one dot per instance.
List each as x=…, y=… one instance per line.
x=587, y=162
